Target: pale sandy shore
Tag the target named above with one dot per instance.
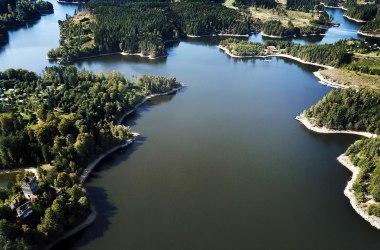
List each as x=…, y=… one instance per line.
x=213, y=35
x=106, y=54
x=354, y=19
x=90, y=167
x=348, y=191
x=88, y=221
x=146, y=99
x=306, y=122
x=272, y=36
x=324, y=81
x=333, y=7
x=275, y=55
x=142, y=55
x=368, y=34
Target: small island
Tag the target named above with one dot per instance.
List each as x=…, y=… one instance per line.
x=108, y=27
x=60, y=125
x=16, y=13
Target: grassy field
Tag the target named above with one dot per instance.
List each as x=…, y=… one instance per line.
x=229, y=4
x=298, y=18
x=351, y=78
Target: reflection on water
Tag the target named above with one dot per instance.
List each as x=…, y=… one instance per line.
x=220, y=165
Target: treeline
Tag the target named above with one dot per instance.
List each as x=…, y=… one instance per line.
x=17, y=12
x=367, y=65
x=242, y=48
x=145, y=27
x=302, y=5
x=331, y=2
x=266, y=4
x=276, y=28
x=365, y=12
x=44, y=111
x=348, y=109
x=3, y=35
x=327, y=54
x=372, y=27
x=366, y=155
x=61, y=120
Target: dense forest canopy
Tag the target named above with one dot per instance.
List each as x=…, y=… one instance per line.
x=331, y=2
x=267, y=4
x=3, y=35
x=366, y=155
x=276, y=28
x=348, y=109
x=60, y=121
x=364, y=12
x=16, y=12
x=372, y=27
x=327, y=54
x=302, y=5
x=145, y=27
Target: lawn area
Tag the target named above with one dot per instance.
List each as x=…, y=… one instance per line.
x=351, y=78
x=298, y=18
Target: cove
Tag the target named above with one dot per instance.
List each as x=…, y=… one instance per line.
x=222, y=164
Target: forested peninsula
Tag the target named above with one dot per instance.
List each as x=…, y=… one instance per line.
x=15, y=13
x=106, y=27
x=144, y=28
x=59, y=122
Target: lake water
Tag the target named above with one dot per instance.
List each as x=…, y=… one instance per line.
x=222, y=164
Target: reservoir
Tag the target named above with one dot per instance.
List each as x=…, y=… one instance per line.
x=222, y=164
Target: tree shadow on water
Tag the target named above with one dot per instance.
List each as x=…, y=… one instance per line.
x=99, y=198
x=105, y=210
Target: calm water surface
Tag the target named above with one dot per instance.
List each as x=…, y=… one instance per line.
x=220, y=165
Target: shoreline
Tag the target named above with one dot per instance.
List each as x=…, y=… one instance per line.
x=90, y=167
x=354, y=19
x=88, y=221
x=333, y=7
x=292, y=36
x=228, y=52
x=328, y=83
x=59, y=59
x=146, y=98
x=280, y=37
x=349, y=193
x=323, y=130
x=369, y=34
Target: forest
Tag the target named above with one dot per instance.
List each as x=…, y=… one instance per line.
x=372, y=27
x=302, y=5
x=276, y=28
x=17, y=12
x=242, y=48
x=335, y=55
x=145, y=27
x=366, y=155
x=365, y=12
x=59, y=122
x=331, y=2
x=3, y=35
x=348, y=109
x=266, y=4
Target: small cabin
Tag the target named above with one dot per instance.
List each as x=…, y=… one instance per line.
x=14, y=203
x=272, y=48
x=30, y=187
x=24, y=210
